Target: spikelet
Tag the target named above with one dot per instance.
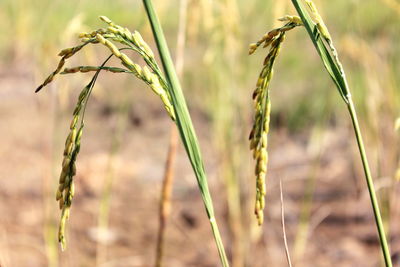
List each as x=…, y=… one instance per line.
x=138, y=40
x=64, y=54
x=319, y=21
x=107, y=20
x=92, y=34
x=262, y=105
x=293, y=19
x=269, y=37
x=134, y=38
x=93, y=68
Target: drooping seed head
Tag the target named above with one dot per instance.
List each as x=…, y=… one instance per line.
x=262, y=106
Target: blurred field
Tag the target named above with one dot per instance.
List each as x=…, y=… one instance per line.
x=329, y=221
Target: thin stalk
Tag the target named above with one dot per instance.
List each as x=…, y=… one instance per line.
x=287, y=253
x=166, y=191
x=185, y=125
x=222, y=105
x=316, y=149
x=110, y=179
x=370, y=184
x=50, y=225
x=300, y=243
x=318, y=33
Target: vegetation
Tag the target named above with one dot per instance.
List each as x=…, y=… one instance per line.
x=323, y=42
x=308, y=147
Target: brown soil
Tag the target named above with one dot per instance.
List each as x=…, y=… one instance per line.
x=342, y=225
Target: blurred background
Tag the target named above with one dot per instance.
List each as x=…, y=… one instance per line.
x=114, y=217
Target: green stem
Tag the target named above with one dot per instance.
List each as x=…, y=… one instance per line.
x=334, y=67
x=371, y=188
x=185, y=125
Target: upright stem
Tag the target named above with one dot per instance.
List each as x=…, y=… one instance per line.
x=165, y=198
x=289, y=261
x=370, y=183
x=185, y=125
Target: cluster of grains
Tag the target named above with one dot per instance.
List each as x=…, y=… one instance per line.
x=151, y=75
x=269, y=37
x=262, y=105
x=144, y=74
x=65, y=191
x=64, y=54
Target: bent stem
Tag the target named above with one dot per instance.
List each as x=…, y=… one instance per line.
x=370, y=184
x=185, y=125
x=318, y=34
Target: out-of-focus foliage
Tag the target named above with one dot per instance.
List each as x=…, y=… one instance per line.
x=37, y=29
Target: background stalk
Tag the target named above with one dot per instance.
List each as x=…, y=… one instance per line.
x=222, y=106
x=50, y=182
x=316, y=149
x=165, y=198
x=185, y=126
x=167, y=185
x=287, y=253
x=110, y=179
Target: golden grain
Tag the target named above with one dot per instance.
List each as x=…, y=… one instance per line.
x=262, y=105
